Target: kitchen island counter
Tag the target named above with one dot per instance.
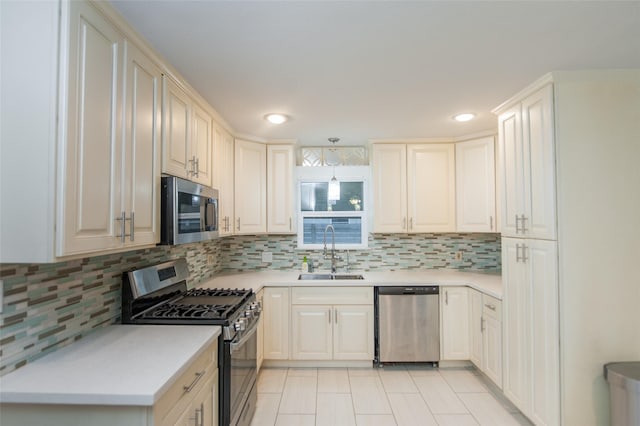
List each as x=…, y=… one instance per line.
x=124, y=365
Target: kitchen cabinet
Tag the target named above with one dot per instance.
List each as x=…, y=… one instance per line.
x=475, y=185
x=555, y=272
x=191, y=398
x=260, y=332
x=527, y=162
x=454, y=311
x=223, y=178
x=280, y=187
x=492, y=339
x=275, y=321
x=531, y=363
x=187, y=140
x=332, y=323
x=110, y=191
x=414, y=188
x=476, y=328
x=250, y=187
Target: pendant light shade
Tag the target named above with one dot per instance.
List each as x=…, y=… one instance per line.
x=334, y=185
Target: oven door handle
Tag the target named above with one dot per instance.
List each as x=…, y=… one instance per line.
x=247, y=335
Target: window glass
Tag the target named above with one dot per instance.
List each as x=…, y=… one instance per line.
x=348, y=230
x=314, y=197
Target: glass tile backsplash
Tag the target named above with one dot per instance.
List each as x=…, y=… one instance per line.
x=47, y=306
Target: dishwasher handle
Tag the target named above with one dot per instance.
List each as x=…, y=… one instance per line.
x=408, y=290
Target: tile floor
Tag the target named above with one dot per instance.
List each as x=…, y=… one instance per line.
x=393, y=395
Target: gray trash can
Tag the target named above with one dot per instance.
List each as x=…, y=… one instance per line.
x=624, y=386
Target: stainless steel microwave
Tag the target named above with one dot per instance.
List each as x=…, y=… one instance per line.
x=189, y=212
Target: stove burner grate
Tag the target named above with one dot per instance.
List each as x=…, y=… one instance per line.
x=170, y=310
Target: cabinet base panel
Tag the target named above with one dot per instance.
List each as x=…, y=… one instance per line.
x=315, y=364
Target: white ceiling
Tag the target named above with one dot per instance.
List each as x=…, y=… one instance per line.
x=363, y=70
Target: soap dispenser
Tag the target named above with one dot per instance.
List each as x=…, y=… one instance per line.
x=305, y=265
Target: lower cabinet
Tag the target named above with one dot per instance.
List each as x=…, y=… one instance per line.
x=275, y=323
x=190, y=400
x=332, y=323
x=485, y=314
x=260, y=332
x=454, y=311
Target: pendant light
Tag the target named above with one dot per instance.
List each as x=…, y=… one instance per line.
x=334, y=184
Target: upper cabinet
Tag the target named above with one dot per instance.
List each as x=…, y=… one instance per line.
x=109, y=173
x=223, y=178
x=414, y=188
x=280, y=205
x=527, y=152
x=187, y=140
x=475, y=186
x=250, y=187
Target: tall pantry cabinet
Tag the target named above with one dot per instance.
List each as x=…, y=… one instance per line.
x=568, y=147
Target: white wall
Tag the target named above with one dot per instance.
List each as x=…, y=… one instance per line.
x=598, y=155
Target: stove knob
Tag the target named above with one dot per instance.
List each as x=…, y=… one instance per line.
x=240, y=325
x=248, y=313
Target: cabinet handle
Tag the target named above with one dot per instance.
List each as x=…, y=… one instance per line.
x=329, y=316
x=290, y=224
x=132, y=226
x=196, y=166
x=490, y=306
x=189, y=388
x=336, y=315
x=517, y=227
x=446, y=297
x=517, y=253
x=523, y=220
x=122, y=219
x=491, y=223
x=199, y=416
x=410, y=224
x=482, y=325
x=238, y=224
x=524, y=254
x=404, y=222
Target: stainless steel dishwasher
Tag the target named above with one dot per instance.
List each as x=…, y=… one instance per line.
x=407, y=324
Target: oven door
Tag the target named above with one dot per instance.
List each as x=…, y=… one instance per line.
x=243, y=376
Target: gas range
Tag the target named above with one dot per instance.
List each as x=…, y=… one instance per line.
x=159, y=295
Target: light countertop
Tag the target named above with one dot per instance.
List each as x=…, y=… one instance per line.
x=117, y=365
x=488, y=283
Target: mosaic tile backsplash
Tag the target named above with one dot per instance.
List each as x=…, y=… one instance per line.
x=47, y=306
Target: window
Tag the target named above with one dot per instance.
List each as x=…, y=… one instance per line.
x=346, y=214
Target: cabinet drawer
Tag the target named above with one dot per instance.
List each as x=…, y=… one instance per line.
x=492, y=307
x=332, y=295
x=175, y=400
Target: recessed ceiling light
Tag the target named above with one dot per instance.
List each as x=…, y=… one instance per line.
x=464, y=117
x=276, y=118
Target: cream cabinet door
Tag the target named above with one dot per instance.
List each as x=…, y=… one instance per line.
x=476, y=186
x=431, y=188
x=353, y=332
x=454, y=308
x=141, y=162
x=540, y=189
x=280, y=207
x=250, y=187
x=90, y=168
x=516, y=305
x=476, y=328
x=223, y=182
x=275, y=319
x=311, y=332
x=492, y=349
x=176, y=118
x=389, y=187
x=511, y=159
x=200, y=148
x=542, y=262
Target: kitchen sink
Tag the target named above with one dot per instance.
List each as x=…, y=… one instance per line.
x=305, y=277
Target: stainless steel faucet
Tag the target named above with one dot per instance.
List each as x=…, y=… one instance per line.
x=334, y=258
